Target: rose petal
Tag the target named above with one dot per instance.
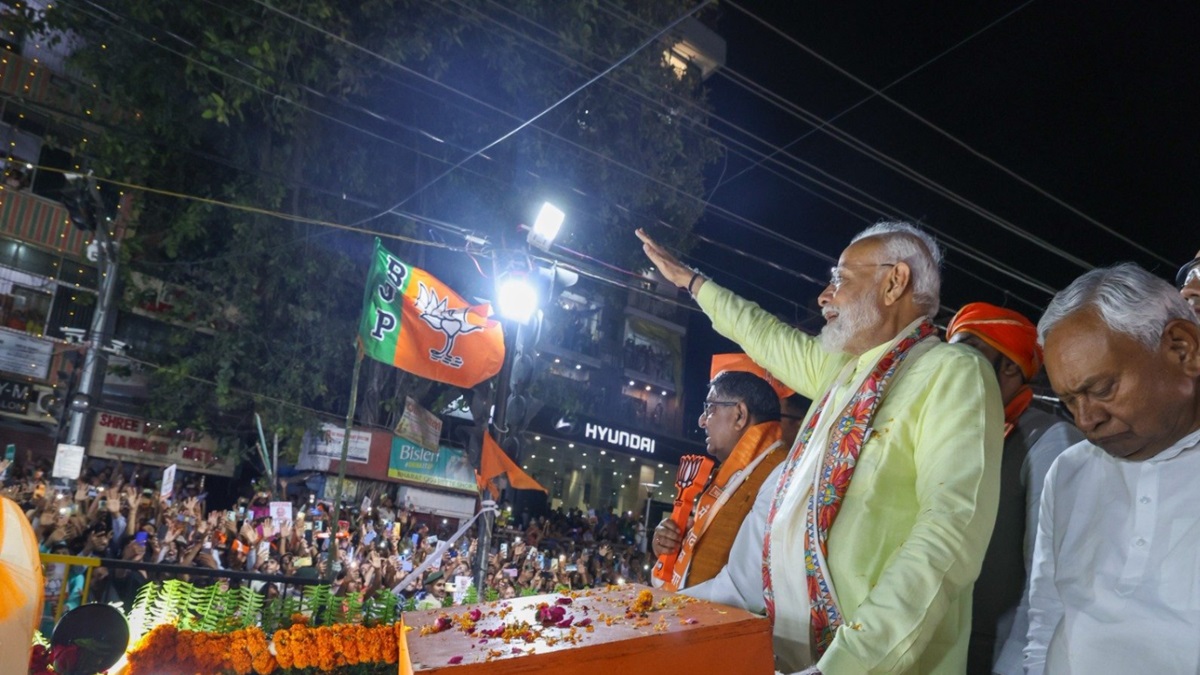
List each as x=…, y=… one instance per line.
x=455, y=660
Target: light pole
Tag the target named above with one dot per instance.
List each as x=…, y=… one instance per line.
x=517, y=301
x=649, y=495
x=90, y=216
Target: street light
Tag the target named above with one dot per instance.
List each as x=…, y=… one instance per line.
x=545, y=228
x=517, y=297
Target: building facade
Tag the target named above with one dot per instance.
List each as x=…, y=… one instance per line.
x=611, y=428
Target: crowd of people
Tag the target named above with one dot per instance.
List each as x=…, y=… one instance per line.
x=119, y=512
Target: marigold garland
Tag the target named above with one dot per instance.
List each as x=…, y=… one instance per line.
x=166, y=650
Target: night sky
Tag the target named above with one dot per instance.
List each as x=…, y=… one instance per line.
x=1093, y=103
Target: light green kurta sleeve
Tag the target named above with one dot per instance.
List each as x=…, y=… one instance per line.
x=791, y=355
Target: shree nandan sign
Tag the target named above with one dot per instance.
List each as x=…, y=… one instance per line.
x=132, y=439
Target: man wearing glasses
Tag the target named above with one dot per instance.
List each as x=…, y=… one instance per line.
x=1188, y=283
x=741, y=428
x=886, y=501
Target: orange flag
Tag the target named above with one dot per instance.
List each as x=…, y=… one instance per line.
x=404, y=661
x=744, y=363
x=416, y=323
x=20, y=587
x=495, y=463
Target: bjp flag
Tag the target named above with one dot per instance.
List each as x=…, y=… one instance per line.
x=744, y=363
x=416, y=323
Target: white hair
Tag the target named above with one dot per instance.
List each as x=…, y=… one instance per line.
x=1126, y=297
x=905, y=242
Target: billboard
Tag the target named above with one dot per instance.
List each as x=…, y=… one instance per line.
x=445, y=468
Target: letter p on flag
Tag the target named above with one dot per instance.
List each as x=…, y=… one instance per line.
x=414, y=322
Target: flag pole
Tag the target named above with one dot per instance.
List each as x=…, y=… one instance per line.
x=331, y=552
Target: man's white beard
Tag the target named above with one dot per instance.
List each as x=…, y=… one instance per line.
x=851, y=320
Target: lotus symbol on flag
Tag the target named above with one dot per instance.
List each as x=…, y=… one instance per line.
x=451, y=322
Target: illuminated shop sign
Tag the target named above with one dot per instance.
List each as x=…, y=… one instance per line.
x=627, y=440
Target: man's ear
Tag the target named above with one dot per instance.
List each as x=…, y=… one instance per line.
x=1009, y=368
x=742, y=419
x=1181, y=338
x=899, y=279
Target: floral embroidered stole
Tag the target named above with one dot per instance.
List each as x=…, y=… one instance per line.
x=829, y=484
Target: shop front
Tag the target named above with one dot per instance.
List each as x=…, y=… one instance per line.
x=438, y=483
x=587, y=463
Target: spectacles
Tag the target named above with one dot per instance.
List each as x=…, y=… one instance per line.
x=835, y=273
x=1190, y=272
x=709, y=405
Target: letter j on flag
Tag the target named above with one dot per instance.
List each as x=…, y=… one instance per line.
x=416, y=323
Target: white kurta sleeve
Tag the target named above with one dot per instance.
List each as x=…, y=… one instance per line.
x=1045, y=605
x=740, y=582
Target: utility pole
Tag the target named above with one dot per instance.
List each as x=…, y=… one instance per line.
x=87, y=213
x=483, y=540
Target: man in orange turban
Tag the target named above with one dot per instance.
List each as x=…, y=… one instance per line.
x=1032, y=440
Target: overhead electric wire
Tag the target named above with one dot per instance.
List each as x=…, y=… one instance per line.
x=267, y=212
x=946, y=134
x=886, y=87
x=902, y=169
x=897, y=166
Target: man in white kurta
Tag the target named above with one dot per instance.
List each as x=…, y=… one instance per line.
x=1116, y=569
x=912, y=529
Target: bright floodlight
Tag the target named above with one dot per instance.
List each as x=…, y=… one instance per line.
x=546, y=227
x=517, y=299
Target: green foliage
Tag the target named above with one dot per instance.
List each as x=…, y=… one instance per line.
x=166, y=602
x=315, y=601
x=215, y=609
x=382, y=608
x=491, y=595
x=203, y=609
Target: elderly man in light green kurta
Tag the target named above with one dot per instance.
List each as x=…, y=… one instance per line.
x=887, y=498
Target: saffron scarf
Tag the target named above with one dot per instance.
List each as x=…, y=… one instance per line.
x=751, y=448
x=830, y=481
x=1015, y=408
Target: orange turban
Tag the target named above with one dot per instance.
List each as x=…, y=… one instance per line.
x=1008, y=332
